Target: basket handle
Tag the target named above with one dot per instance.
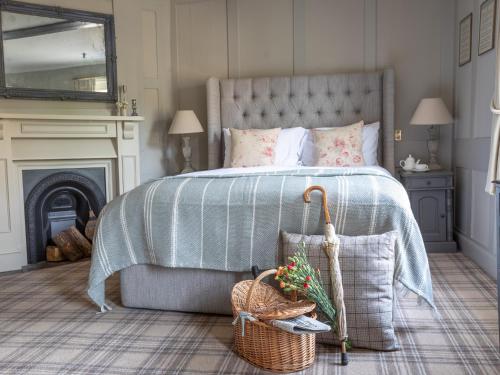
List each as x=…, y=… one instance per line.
x=254, y=284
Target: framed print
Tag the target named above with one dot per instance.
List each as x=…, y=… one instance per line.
x=465, y=39
x=487, y=15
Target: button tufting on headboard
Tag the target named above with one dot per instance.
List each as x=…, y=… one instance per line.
x=309, y=101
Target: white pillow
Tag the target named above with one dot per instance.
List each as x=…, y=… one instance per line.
x=370, y=146
x=370, y=143
x=288, y=148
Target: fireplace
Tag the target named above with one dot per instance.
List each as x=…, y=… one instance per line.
x=56, y=199
x=35, y=146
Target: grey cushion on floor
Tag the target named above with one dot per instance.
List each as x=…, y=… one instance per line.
x=367, y=266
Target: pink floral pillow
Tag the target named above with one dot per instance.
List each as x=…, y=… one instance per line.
x=339, y=147
x=253, y=147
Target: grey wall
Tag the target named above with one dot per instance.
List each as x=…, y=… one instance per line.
x=239, y=38
x=474, y=86
x=168, y=48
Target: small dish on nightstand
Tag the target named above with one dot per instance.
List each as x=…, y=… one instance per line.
x=420, y=168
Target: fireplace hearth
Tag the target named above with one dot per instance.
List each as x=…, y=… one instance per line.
x=56, y=200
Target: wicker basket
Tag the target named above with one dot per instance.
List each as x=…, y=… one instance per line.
x=264, y=345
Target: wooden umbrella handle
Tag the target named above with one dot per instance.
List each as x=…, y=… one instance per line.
x=307, y=199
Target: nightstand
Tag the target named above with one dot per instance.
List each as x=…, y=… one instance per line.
x=431, y=198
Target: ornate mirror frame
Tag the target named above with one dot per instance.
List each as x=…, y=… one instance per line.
x=72, y=15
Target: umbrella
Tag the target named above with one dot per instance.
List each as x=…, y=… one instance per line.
x=331, y=247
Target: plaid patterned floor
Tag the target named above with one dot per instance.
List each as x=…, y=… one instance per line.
x=48, y=326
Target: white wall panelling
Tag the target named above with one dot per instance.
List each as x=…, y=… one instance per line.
x=168, y=48
x=284, y=37
x=143, y=30
x=462, y=198
x=201, y=51
x=475, y=219
x=4, y=198
x=320, y=47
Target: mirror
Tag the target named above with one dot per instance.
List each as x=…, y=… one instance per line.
x=56, y=53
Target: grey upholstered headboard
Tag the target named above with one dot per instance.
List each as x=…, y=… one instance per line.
x=307, y=101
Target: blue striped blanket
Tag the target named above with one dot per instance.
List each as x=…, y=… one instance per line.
x=223, y=220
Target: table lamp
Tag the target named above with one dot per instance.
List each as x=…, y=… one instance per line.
x=186, y=122
x=433, y=112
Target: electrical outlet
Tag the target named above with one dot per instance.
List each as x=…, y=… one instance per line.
x=398, y=135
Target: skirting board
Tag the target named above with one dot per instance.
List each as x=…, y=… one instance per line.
x=485, y=259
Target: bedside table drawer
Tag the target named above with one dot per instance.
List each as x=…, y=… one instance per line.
x=428, y=182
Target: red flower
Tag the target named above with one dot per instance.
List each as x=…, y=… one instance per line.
x=308, y=278
x=290, y=267
x=293, y=264
x=306, y=285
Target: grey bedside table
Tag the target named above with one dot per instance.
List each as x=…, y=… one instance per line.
x=431, y=198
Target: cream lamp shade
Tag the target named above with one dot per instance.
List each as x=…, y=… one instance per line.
x=185, y=122
x=431, y=111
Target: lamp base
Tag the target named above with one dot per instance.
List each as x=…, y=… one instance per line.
x=186, y=151
x=433, y=147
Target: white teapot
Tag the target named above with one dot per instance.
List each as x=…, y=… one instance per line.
x=408, y=164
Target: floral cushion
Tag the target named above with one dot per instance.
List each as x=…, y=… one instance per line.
x=339, y=147
x=253, y=147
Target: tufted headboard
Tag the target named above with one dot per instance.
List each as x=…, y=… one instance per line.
x=308, y=101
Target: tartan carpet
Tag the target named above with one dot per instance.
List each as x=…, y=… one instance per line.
x=49, y=326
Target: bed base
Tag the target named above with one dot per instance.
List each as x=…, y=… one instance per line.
x=179, y=289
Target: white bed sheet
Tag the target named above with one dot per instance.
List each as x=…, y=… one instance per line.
x=271, y=169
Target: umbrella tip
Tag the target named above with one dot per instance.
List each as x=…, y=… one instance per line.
x=344, y=359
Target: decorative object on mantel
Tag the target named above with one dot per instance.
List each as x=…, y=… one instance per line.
x=487, y=17
x=186, y=122
x=134, y=108
x=433, y=112
x=122, y=103
x=465, y=40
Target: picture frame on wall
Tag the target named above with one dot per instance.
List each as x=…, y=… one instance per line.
x=465, y=40
x=487, y=21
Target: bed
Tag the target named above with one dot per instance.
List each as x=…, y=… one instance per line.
x=181, y=242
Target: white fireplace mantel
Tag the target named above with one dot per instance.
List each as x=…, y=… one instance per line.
x=46, y=141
